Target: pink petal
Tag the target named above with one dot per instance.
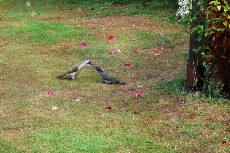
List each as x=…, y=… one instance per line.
x=108, y=107
x=112, y=52
x=160, y=48
x=128, y=64
x=50, y=92
x=224, y=57
x=137, y=94
x=111, y=37
x=136, y=51
x=83, y=44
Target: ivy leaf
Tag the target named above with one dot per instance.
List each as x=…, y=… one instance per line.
x=225, y=23
x=214, y=2
x=219, y=7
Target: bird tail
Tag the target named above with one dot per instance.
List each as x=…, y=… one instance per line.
x=62, y=76
x=120, y=82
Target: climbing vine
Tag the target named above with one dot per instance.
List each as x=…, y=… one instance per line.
x=218, y=55
x=212, y=25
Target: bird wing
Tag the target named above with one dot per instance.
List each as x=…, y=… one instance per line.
x=107, y=76
x=74, y=68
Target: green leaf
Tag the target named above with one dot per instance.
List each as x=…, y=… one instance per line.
x=214, y=2
x=219, y=7
x=225, y=23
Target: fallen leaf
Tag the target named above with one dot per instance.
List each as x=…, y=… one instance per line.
x=137, y=94
x=111, y=37
x=50, y=92
x=160, y=48
x=79, y=10
x=128, y=64
x=33, y=13
x=77, y=100
x=112, y=52
x=83, y=44
x=54, y=108
x=28, y=4
x=108, y=107
x=136, y=51
x=224, y=57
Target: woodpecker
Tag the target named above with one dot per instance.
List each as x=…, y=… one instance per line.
x=108, y=78
x=72, y=73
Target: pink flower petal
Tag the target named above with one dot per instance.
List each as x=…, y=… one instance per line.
x=108, y=107
x=128, y=64
x=224, y=57
x=136, y=51
x=160, y=48
x=111, y=37
x=112, y=52
x=137, y=94
x=50, y=92
x=83, y=44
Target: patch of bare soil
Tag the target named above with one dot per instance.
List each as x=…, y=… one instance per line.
x=3, y=41
x=116, y=23
x=122, y=21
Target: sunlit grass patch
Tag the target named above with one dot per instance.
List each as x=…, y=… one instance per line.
x=68, y=140
x=46, y=32
x=88, y=139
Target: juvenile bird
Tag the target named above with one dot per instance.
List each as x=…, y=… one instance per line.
x=72, y=73
x=108, y=78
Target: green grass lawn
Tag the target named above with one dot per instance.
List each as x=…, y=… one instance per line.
x=40, y=40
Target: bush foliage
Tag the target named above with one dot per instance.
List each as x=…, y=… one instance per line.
x=214, y=29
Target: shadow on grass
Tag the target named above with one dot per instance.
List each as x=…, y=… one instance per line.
x=175, y=86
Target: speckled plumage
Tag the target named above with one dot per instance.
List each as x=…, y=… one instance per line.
x=72, y=73
x=108, y=78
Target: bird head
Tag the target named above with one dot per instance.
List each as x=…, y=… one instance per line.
x=99, y=69
x=85, y=63
x=89, y=62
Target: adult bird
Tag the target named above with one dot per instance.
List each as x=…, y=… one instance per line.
x=108, y=78
x=72, y=73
